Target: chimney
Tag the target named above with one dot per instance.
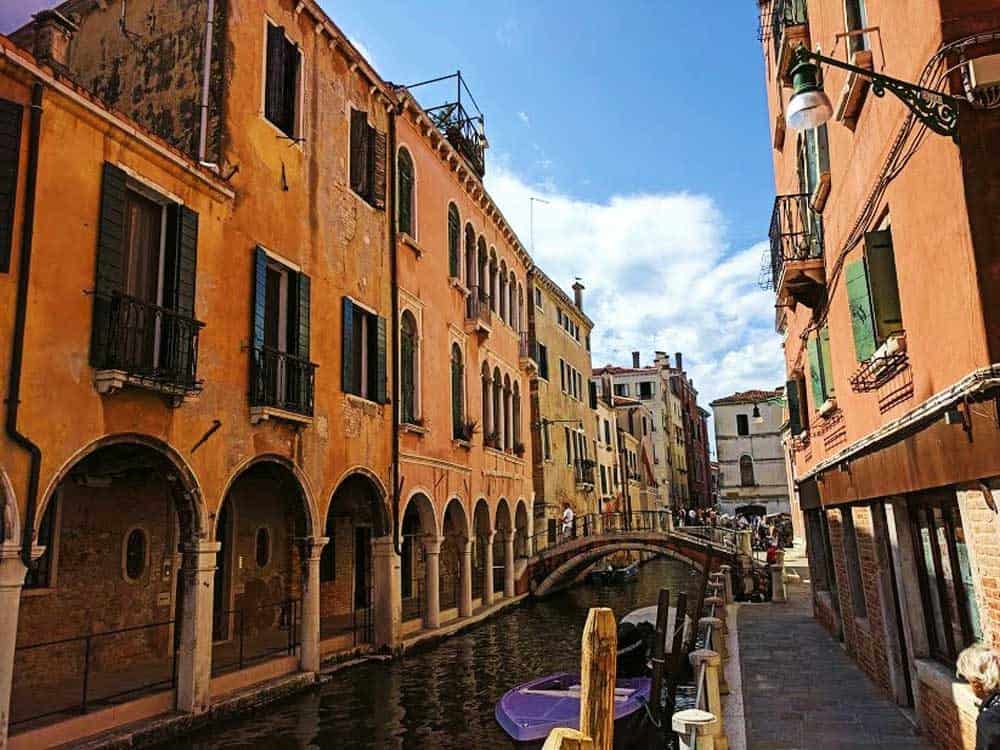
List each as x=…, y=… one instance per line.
x=53, y=33
x=679, y=358
x=578, y=294
x=661, y=359
x=635, y=360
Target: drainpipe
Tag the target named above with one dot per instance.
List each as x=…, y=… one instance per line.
x=20, y=319
x=394, y=282
x=205, y=79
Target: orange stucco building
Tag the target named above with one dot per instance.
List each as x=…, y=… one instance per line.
x=882, y=244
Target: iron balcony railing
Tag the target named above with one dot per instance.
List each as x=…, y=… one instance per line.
x=461, y=120
x=477, y=305
x=583, y=470
x=150, y=343
x=796, y=232
x=281, y=380
x=785, y=13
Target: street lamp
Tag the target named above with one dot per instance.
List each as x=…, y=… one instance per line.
x=810, y=106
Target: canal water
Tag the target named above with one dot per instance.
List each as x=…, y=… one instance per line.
x=442, y=697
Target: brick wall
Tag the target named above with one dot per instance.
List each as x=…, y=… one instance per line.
x=336, y=597
x=982, y=529
x=943, y=723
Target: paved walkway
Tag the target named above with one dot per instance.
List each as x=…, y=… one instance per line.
x=802, y=692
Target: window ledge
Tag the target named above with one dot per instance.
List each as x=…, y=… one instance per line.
x=44, y=591
x=827, y=407
x=852, y=96
x=416, y=429
x=463, y=444
x=941, y=680
x=260, y=414
x=370, y=407
x=109, y=382
x=411, y=243
x=457, y=284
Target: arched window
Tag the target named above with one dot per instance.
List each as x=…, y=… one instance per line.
x=487, y=403
x=746, y=472
x=454, y=240
x=263, y=547
x=135, y=555
x=497, y=437
x=493, y=278
x=518, y=442
x=483, y=276
x=457, y=394
x=471, y=277
x=508, y=426
x=404, y=192
x=502, y=282
x=512, y=313
x=408, y=368
x=521, y=310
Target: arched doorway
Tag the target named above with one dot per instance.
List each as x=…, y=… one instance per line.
x=356, y=517
x=456, y=569
x=503, y=551
x=261, y=526
x=419, y=576
x=101, y=608
x=521, y=547
x=482, y=554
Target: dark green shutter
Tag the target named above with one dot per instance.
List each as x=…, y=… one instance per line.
x=381, y=391
x=860, y=304
x=274, y=94
x=302, y=304
x=348, y=374
x=359, y=152
x=884, y=286
x=259, y=297
x=825, y=361
x=815, y=376
x=110, y=262
x=405, y=178
x=454, y=230
x=299, y=382
x=457, y=398
x=11, y=115
x=290, y=90
x=407, y=371
x=379, y=150
x=794, y=417
x=180, y=267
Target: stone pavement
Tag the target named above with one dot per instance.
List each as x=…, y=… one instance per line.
x=800, y=689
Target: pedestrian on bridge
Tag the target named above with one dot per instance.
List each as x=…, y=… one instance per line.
x=567, y=520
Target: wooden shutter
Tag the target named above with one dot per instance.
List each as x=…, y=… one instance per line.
x=348, y=375
x=110, y=262
x=274, y=85
x=794, y=418
x=290, y=87
x=860, y=304
x=815, y=375
x=259, y=296
x=359, y=152
x=180, y=267
x=378, y=168
x=454, y=232
x=11, y=116
x=298, y=380
x=884, y=286
x=405, y=198
x=826, y=363
x=381, y=392
x=822, y=149
x=457, y=398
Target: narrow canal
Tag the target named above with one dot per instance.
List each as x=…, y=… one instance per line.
x=442, y=697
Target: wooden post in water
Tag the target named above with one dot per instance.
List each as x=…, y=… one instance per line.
x=599, y=672
x=677, y=654
x=659, y=646
x=567, y=739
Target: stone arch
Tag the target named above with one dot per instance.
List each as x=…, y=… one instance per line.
x=10, y=519
x=522, y=529
x=503, y=519
x=419, y=501
x=455, y=513
x=482, y=518
x=306, y=494
x=364, y=482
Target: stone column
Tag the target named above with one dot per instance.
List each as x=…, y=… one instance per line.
x=387, y=602
x=508, y=568
x=711, y=662
x=465, y=602
x=719, y=634
x=309, y=630
x=432, y=582
x=488, y=569
x=778, y=592
x=727, y=579
x=194, y=655
x=12, y=572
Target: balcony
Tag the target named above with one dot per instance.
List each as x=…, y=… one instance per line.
x=527, y=356
x=788, y=26
x=461, y=121
x=797, y=273
x=147, y=346
x=583, y=471
x=478, y=318
x=281, y=386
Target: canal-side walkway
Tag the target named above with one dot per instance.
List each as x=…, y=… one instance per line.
x=800, y=689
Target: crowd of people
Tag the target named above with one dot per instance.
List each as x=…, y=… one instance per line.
x=766, y=529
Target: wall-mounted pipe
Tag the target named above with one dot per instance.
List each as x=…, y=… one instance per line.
x=20, y=320
x=206, y=76
x=392, y=357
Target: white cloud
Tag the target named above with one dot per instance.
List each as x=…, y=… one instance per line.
x=659, y=276
x=523, y=117
x=365, y=52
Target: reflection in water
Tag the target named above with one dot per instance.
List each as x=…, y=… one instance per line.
x=442, y=698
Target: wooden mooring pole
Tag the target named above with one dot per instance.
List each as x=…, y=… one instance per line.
x=659, y=646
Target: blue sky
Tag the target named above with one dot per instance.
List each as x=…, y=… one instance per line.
x=644, y=125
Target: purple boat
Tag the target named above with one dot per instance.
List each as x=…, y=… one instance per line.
x=530, y=711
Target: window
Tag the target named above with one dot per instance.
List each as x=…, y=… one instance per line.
x=621, y=389
x=368, y=153
x=135, y=555
x=472, y=278
x=538, y=298
x=746, y=472
x=543, y=362
x=281, y=374
x=363, y=368
x=853, y=564
x=798, y=413
x=569, y=446
x=404, y=194
x=546, y=442
x=646, y=390
x=592, y=394
x=813, y=162
x=945, y=573
x=458, y=394
x=262, y=547
x=873, y=295
x=604, y=480
x=607, y=432
x=742, y=424
x=11, y=116
x=409, y=368
x=454, y=240
x=281, y=83
x=856, y=18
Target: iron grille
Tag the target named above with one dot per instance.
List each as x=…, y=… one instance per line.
x=281, y=380
x=461, y=121
x=796, y=233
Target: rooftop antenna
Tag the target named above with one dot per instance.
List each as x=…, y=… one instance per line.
x=531, y=204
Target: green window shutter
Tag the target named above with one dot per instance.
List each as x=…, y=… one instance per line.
x=381, y=391
x=359, y=152
x=405, y=178
x=274, y=94
x=110, y=262
x=301, y=318
x=825, y=361
x=11, y=115
x=298, y=378
x=180, y=268
x=860, y=304
x=290, y=89
x=457, y=397
x=884, y=286
x=259, y=294
x=815, y=376
x=454, y=224
x=348, y=375
x=377, y=165
x=792, y=394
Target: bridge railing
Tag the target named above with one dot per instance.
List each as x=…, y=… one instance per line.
x=598, y=524
x=717, y=536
